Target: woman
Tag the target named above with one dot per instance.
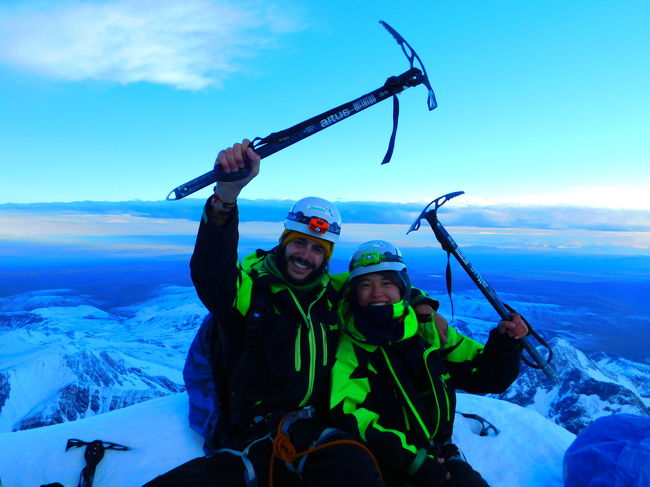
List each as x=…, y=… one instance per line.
x=394, y=379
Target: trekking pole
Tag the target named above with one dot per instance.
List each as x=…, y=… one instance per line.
x=277, y=141
x=505, y=312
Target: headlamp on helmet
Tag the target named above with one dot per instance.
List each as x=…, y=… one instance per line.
x=315, y=216
x=376, y=256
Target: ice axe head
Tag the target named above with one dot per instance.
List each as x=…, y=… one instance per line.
x=412, y=56
x=437, y=203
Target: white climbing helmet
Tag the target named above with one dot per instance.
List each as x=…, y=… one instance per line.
x=376, y=256
x=315, y=216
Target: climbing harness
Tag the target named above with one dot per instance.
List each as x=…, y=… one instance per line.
x=284, y=450
x=250, y=477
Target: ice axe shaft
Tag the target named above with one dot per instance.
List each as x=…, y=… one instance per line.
x=449, y=245
x=277, y=141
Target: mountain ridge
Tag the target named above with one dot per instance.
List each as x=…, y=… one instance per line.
x=85, y=361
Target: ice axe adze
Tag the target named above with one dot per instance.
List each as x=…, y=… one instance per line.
x=279, y=140
x=505, y=312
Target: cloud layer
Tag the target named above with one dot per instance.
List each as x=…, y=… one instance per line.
x=170, y=228
x=188, y=45
x=455, y=213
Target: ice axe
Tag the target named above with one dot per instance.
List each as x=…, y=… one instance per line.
x=505, y=312
x=265, y=146
x=93, y=455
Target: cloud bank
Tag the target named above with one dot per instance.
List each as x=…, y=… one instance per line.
x=619, y=196
x=454, y=213
x=170, y=227
x=188, y=45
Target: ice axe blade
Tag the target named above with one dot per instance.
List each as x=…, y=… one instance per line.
x=438, y=202
x=411, y=55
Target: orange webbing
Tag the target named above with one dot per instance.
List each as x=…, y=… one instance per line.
x=284, y=450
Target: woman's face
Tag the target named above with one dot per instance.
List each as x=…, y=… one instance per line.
x=374, y=289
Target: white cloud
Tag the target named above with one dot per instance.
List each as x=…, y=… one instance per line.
x=187, y=44
x=616, y=196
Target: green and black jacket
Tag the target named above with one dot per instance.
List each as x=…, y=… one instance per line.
x=399, y=397
x=278, y=340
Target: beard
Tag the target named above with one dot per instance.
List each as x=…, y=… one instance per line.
x=283, y=263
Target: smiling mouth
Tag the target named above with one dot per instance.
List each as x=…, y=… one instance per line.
x=301, y=264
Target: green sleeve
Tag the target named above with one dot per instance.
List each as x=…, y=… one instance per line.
x=482, y=369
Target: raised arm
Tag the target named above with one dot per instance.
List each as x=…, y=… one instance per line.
x=213, y=266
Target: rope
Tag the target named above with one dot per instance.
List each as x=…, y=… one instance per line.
x=284, y=450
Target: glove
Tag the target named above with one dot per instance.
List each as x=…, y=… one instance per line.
x=451, y=452
x=462, y=473
x=430, y=474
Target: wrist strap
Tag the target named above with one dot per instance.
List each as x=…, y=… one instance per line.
x=228, y=206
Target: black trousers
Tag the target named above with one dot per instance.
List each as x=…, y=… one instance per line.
x=463, y=475
x=340, y=465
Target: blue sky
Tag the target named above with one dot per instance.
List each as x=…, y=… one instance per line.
x=539, y=102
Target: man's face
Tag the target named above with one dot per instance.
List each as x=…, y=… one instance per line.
x=375, y=289
x=303, y=257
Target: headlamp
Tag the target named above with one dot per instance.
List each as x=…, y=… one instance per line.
x=318, y=225
x=315, y=224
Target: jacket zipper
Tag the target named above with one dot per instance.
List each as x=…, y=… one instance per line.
x=406, y=397
x=296, y=349
x=312, y=362
x=435, y=393
x=312, y=343
x=324, y=339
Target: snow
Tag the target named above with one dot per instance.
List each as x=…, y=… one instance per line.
x=528, y=450
x=543, y=400
x=156, y=430
x=54, y=340
x=50, y=380
x=631, y=375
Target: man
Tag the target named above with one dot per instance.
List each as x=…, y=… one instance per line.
x=394, y=379
x=274, y=334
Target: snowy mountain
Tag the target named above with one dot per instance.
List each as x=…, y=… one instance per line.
x=531, y=446
x=587, y=390
x=64, y=357
x=589, y=387
x=62, y=360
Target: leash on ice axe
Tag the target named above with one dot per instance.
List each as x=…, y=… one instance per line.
x=505, y=312
x=275, y=142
